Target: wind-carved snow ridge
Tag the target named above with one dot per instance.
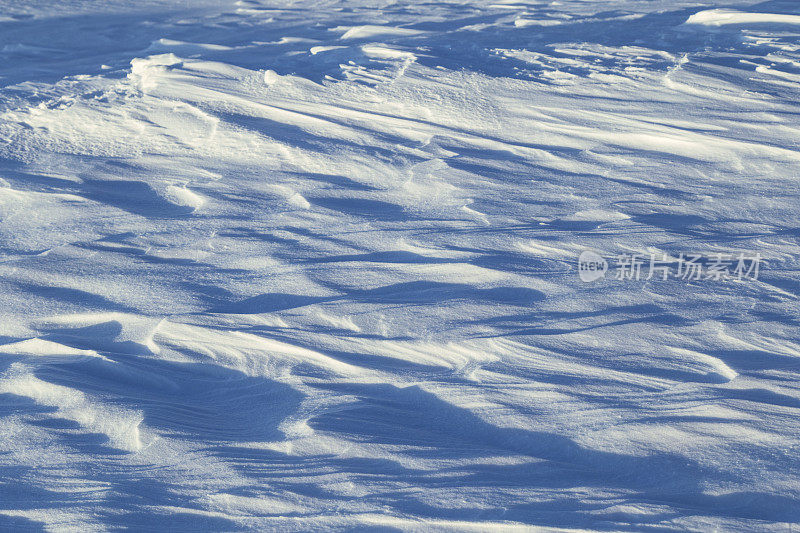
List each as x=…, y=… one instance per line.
x=723, y=17
x=314, y=266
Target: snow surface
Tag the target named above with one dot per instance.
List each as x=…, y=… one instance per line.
x=272, y=265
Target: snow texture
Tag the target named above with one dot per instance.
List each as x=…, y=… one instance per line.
x=299, y=265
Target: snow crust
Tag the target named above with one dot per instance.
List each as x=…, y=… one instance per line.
x=293, y=266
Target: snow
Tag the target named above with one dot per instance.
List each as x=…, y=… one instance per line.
x=273, y=265
x=721, y=17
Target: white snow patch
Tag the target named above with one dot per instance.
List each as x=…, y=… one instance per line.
x=370, y=31
x=724, y=17
x=183, y=196
x=595, y=215
x=145, y=72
